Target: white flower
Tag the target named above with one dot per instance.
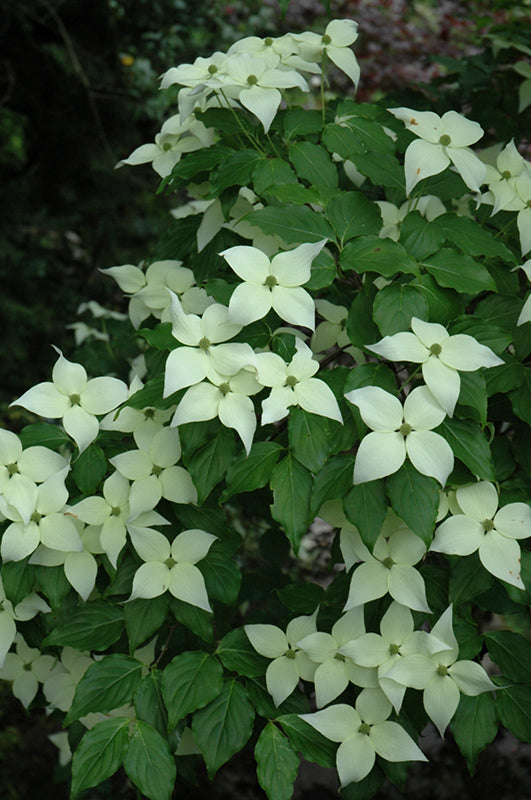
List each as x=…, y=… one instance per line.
x=172, y=566
x=293, y=384
x=501, y=180
x=392, y=216
x=273, y=284
x=363, y=733
x=28, y=608
x=480, y=527
x=26, y=668
x=389, y=569
x=440, y=675
x=442, y=357
x=443, y=140
x=339, y=35
x=334, y=672
x=399, y=433
x=290, y=663
x=60, y=687
x=75, y=399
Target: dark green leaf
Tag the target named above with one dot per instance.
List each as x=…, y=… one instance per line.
x=294, y=224
x=44, y=434
x=222, y=576
x=106, y=685
x=415, y=499
x=208, y=465
x=100, y=753
x=294, y=193
x=420, y=237
x=53, y=583
x=366, y=507
x=272, y=172
x=372, y=254
x=236, y=170
x=238, y=655
x=198, y=621
x=486, y=333
x=474, y=725
x=160, y=336
x=473, y=393
x=200, y=161
x=472, y=238
x=310, y=438
x=149, y=763
x=361, y=329
x=250, y=472
x=89, y=468
x=443, y=304
x=333, y=481
x=313, y=164
x=469, y=445
x=189, y=682
x=383, y=169
x=371, y=374
x=394, y=305
x=468, y=579
x=93, y=626
x=301, y=122
x=18, y=579
x=277, y=763
x=149, y=704
x=456, y=271
x=324, y=272
x=514, y=708
x=223, y=727
x=521, y=398
x=306, y=740
x=291, y=483
x=301, y=599
x=510, y=651
x=352, y=214
x=143, y=618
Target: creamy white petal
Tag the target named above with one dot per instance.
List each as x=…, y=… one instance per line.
x=151, y=545
x=379, y=454
x=249, y=302
x=192, y=545
x=282, y=676
x=514, y=521
x=458, y=535
x=368, y=650
x=81, y=570
x=59, y=533
x=478, y=500
x=392, y=742
x=346, y=61
x=443, y=382
x=177, y=486
x=92, y=510
x=151, y=580
x=421, y=409
x=19, y=541
x=249, y=263
x=428, y=332
x=471, y=678
x=472, y=170
x=406, y=586
x=464, y=353
x=275, y=407
x=104, y=394
x=501, y=557
x=184, y=367
x=368, y=582
x=237, y=411
x=397, y=623
x=405, y=547
x=415, y=670
x=262, y=102
x=44, y=399
x=316, y=397
x=81, y=426
x=187, y=584
x=293, y=267
x=330, y=680
x=441, y=698
x=69, y=377
x=199, y=403
x=336, y=723
x=355, y=758
x=430, y=454
x=423, y=159
x=268, y=640
x=403, y=346
x=379, y=409
x=294, y=305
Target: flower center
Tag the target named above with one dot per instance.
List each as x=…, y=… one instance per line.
x=405, y=429
x=252, y=80
x=340, y=657
x=436, y=349
x=212, y=69
x=36, y=517
x=166, y=146
x=268, y=41
x=388, y=562
x=12, y=469
x=364, y=728
x=290, y=653
x=204, y=343
x=224, y=388
x=270, y=281
x=27, y=667
x=75, y=399
x=291, y=381
x=488, y=525
x=445, y=140
x=394, y=650
x=170, y=562
x=506, y=174
x=442, y=670
x=116, y=511
x=326, y=39
x=149, y=413
x=156, y=470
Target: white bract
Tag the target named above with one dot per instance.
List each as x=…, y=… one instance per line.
x=273, y=284
x=480, y=527
x=202, y=356
x=27, y=667
x=399, y=433
x=290, y=663
x=389, y=569
x=293, y=384
x=28, y=608
x=441, y=675
x=392, y=216
x=60, y=687
x=443, y=141
x=339, y=35
x=172, y=566
x=363, y=733
x=74, y=399
x=442, y=357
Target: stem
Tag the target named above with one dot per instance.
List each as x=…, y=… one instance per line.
x=256, y=144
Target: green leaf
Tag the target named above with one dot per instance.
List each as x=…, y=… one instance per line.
x=306, y=740
x=468, y=579
x=472, y=238
x=223, y=727
x=420, y=237
x=474, y=725
x=313, y=164
x=190, y=681
x=366, y=507
x=310, y=438
x=93, y=626
x=510, y=652
x=352, y=214
x=415, y=499
x=197, y=620
x=443, y=304
x=324, y=271
x=236, y=170
x=383, y=169
x=301, y=122
x=222, y=576
x=294, y=224
x=294, y=193
x=89, y=468
x=521, y=398
x=372, y=254
x=368, y=786
x=371, y=374
x=160, y=336
x=473, y=393
x=505, y=377
x=106, y=685
x=333, y=481
x=343, y=141
x=149, y=705
x=469, y=445
x=303, y=598
x=272, y=172
x=486, y=333
x=200, y=161
x=277, y=763
x=208, y=465
x=361, y=329
x=291, y=483
x=18, y=579
x=53, y=583
x=238, y=655
x=394, y=305
x=514, y=708
x=44, y=434
x=149, y=763
x=250, y=472
x=143, y=618
x=99, y=754
x=456, y=271
x=357, y=135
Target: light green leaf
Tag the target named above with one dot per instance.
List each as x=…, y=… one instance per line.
x=415, y=499
x=223, y=727
x=372, y=254
x=190, y=681
x=456, y=271
x=291, y=483
x=394, y=305
x=99, y=754
x=149, y=763
x=294, y=224
x=352, y=214
x=313, y=164
x=107, y=684
x=277, y=763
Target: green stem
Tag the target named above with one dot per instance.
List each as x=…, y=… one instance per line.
x=256, y=144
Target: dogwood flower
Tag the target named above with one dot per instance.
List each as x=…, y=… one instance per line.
x=440, y=675
x=442, y=357
x=74, y=399
x=273, y=284
x=290, y=663
x=28, y=608
x=501, y=180
x=335, y=671
x=202, y=356
x=293, y=384
x=363, y=732
x=392, y=216
x=480, y=527
x=172, y=566
x=339, y=35
x=399, y=433
x=443, y=140
x=389, y=569
x=27, y=667
x=59, y=689
x=130, y=419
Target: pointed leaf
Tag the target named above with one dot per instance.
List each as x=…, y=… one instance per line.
x=474, y=725
x=277, y=763
x=189, y=682
x=149, y=763
x=106, y=685
x=415, y=499
x=292, y=486
x=366, y=507
x=250, y=472
x=100, y=753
